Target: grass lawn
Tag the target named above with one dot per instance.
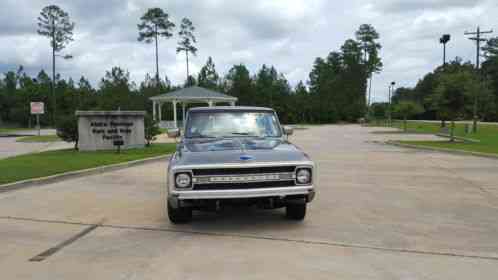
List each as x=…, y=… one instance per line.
x=53, y=162
x=10, y=130
x=418, y=127
x=421, y=127
x=39, y=139
x=487, y=134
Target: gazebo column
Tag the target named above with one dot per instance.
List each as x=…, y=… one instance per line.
x=174, y=113
x=210, y=103
x=160, y=111
x=154, y=110
x=232, y=103
x=183, y=113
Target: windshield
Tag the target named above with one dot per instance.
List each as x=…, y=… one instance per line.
x=232, y=124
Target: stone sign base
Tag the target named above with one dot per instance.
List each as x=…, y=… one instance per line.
x=103, y=130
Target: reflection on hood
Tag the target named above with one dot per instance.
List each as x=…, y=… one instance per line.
x=230, y=150
x=230, y=144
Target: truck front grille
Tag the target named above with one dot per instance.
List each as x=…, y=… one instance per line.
x=243, y=178
x=251, y=185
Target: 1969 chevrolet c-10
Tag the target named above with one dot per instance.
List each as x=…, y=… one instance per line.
x=234, y=155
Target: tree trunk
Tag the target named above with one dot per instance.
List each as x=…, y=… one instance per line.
x=369, y=91
x=54, y=99
x=157, y=60
x=452, y=131
x=188, y=74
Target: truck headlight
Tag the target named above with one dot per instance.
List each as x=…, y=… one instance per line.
x=183, y=180
x=303, y=176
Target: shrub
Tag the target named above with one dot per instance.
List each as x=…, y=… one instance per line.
x=67, y=129
x=151, y=129
x=407, y=109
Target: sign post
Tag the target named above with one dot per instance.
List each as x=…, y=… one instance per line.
x=37, y=108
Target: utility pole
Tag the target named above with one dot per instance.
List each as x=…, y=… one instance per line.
x=478, y=38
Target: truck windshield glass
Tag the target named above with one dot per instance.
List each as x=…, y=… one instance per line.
x=232, y=124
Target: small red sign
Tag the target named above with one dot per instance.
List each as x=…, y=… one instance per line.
x=37, y=108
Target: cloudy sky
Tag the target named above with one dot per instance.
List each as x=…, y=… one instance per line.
x=288, y=34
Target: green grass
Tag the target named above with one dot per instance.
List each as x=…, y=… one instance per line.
x=470, y=147
x=487, y=135
x=39, y=139
x=54, y=162
x=11, y=129
x=420, y=127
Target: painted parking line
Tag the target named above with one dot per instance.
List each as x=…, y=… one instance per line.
x=49, y=252
x=92, y=227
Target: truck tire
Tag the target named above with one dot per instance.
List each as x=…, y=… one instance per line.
x=296, y=211
x=179, y=215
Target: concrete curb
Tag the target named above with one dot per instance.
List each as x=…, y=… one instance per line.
x=78, y=173
x=14, y=135
x=399, y=132
x=442, y=150
x=463, y=139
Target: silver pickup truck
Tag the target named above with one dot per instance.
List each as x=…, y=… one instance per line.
x=234, y=155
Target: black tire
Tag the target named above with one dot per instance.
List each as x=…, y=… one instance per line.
x=180, y=215
x=296, y=211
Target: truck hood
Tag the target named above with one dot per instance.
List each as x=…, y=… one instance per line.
x=238, y=150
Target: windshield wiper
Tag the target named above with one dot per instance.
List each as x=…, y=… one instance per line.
x=247, y=134
x=198, y=135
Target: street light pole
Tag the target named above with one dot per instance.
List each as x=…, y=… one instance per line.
x=389, y=107
x=443, y=40
x=391, y=92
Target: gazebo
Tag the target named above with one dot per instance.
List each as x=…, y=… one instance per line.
x=185, y=96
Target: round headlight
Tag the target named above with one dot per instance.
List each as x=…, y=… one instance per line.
x=182, y=180
x=303, y=176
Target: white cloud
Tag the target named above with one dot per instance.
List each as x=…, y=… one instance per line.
x=288, y=34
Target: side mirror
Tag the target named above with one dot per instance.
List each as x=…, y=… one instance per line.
x=288, y=130
x=173, y=133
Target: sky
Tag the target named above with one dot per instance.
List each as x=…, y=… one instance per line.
x=289, y=34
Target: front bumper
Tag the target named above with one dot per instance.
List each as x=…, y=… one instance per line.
x=176, y=196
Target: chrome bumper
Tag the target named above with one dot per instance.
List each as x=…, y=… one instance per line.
x=241, y=193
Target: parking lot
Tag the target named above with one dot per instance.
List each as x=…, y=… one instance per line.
x=381, y=212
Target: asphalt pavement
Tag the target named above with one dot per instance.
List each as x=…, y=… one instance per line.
x=381, y=212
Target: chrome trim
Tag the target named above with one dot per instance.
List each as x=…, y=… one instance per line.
x=308, y=164
x=183, y=171
x=304, y=167
x=242, y=193
x=188, y=168
x=283, y=176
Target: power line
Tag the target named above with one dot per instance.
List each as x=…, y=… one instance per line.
x=478, y=39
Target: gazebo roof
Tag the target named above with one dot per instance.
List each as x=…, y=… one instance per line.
x=194, y=93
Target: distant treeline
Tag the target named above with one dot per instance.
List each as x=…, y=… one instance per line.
x=336, y=90
x=450, y=92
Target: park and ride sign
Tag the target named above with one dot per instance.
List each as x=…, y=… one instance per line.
x=107, y=130
x=37, y=108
